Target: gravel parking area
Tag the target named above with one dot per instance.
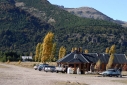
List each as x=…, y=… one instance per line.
x=15, y=75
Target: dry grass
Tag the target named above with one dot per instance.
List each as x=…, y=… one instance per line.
x=1, y=66
x=29, y=64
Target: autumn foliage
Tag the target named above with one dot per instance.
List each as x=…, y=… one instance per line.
x=62, y=52
x=47, y=47
x=111, y=59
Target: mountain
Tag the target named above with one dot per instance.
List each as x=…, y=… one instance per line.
x=24, y=23
x=19, y=30
x=88, y=12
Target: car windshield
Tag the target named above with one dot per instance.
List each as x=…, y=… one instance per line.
x=43, y=64
x=110, y=70
x=50, y=66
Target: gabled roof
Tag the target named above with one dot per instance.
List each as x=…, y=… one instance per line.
x=118, y=58
x=75, y=57
x=93, y=57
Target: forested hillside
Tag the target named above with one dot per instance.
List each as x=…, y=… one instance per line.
x=19, y=30
x=23, y=24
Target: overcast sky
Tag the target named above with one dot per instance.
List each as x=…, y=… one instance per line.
x=116, y=9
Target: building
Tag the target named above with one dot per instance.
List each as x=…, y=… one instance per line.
x=84, y=61
x=76, y=60
x=27, y=58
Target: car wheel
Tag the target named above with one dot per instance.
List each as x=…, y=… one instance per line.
x=116, y=75
x=56, y=71
x=40, y=69
x=104, y=75
x=110, y=75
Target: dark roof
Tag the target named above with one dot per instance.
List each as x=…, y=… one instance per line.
x=76, y=61
x=118, y=58
x=94, y=57
x=75, y=57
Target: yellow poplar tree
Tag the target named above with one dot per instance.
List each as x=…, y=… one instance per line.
x=86, y=51
x=107, y=50
x=19, y=62
x=47, y=47
x=37, y=51
x=73, y=49
x=52, y=57
x=62, y=52
x=80, y=49
x=8, y=61
x=76, y=48
x=111, y=59
x=40, y=52
x=98, y=65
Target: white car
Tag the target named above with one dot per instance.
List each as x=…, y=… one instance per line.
x=36, y=66
x=49, y=69
x=111, y=72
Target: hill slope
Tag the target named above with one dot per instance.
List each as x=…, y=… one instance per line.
x=25, y=25
x=19, y=30
x=88, y=12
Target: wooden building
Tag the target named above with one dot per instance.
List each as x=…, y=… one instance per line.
x=84, y=61
x=75, y=60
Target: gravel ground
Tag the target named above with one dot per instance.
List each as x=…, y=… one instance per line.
x=15, y=75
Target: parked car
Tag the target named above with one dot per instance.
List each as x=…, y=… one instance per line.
x=41, y=66
x=36, y=66
x=49, y=69
x=111, y=72
x=61, y=69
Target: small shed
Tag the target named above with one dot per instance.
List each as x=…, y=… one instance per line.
x=27, y=58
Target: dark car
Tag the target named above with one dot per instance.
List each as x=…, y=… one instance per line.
x=111, y=72
x=49, y=69
x=41, y=66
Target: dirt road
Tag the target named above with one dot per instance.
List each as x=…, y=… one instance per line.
x=14, y=75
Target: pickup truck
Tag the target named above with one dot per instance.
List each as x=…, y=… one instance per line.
x=61, y=69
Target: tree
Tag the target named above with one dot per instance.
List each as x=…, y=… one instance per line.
x=41, y=52
x=111, y=59
x=107, y=50
x=62, y=52
x=73, y=49
x=19, y=62
x=98, y=65
x=37, y=51
x=86, y=51
x=52, y=57
x=80, y=49
x=47, y=47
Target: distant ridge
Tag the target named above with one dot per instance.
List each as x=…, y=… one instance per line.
x=89, y=12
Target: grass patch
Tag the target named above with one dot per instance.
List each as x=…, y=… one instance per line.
x=1, y=66
x=29, y=64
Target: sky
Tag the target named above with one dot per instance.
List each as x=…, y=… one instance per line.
x=116, y=9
